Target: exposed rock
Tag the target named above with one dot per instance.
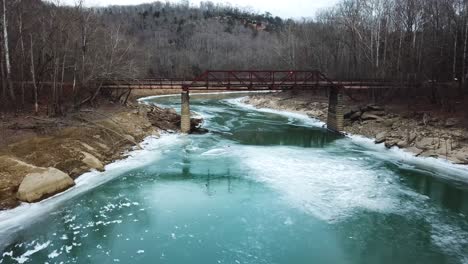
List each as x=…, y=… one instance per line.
x=415, y=150
x=427, y=143
x=129, y=138
x=389, y=122
x=143, y=109
x=391, y=143
x=430, y=153
x=451, y=122
x=92, y=161
x=402, y=144
x=42, y=184
x=351, y=112
x=367, y=116
x=377, y=113
x=374, y=108
x=445, y=147
x=412, y=137
x=88, y=147
x=380, y=137
x=355, y=116
x=462, y=156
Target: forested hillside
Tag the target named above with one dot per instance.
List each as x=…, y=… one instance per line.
x=54, y=46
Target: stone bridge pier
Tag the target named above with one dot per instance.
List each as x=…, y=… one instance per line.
x=335, y=109
x=185, y=126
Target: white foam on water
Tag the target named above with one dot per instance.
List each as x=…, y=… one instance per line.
x=21, y=217
x=330, y=189
x=216, y=152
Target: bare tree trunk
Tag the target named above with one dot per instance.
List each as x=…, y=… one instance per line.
x=465, y=43
x=33, y=74
x=23, y=56
x=4, y=83
x=454, y=65
x=74, y=91
x=61, y=83
x=7, y=53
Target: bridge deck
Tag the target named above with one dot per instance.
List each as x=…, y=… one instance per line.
x=247, y=80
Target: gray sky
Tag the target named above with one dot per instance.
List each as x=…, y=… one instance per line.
x=283, y=8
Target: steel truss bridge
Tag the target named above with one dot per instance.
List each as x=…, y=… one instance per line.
x=245, y=81
x=250, y=81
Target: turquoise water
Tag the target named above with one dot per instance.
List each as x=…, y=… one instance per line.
x=261, y=187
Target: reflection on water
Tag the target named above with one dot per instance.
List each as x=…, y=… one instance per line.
x=294, y=136
x=446, y=194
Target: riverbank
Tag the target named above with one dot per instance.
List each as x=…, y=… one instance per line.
x=42, y=156
x=424, y=133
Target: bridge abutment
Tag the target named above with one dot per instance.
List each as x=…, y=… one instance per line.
x=185, y=126
x=335, y=109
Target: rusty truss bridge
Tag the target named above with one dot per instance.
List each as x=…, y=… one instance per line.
x=245, y=81
x=249, y=81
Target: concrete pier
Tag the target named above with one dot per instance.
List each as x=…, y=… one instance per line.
x=335, y=110
x=185, y=113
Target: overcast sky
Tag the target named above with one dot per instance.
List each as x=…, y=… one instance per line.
x=282, y=8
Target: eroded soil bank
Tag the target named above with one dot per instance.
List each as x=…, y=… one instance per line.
x=82, y=141
x=426, y=133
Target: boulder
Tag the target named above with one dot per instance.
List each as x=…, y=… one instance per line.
x=412, y=137
x=427, y=143
x=415, y=150
x=377, y=113
x=42, y=184
x=451, y=122
x=402, y=144
x=389, y=122
x=462, y=155
x=352, y=111
x=445, y=147
x=129, y=138
x=367, y=116
x=355, y=116
x=391, y=143
x=381, y=137
x=92, y=161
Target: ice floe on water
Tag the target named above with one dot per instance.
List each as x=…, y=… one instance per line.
x=337, y=189
x=310, y=179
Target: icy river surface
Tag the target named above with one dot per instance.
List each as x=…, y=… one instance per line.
x=261, y=187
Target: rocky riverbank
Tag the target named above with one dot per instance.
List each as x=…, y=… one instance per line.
x=58, y=150
x=421, y=132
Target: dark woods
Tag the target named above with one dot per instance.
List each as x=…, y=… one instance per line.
x=52, y=55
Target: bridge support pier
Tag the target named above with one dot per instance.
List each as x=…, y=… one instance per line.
x=335, y=109
x=185, y=126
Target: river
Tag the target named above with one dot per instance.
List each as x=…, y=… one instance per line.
x=261, y=187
